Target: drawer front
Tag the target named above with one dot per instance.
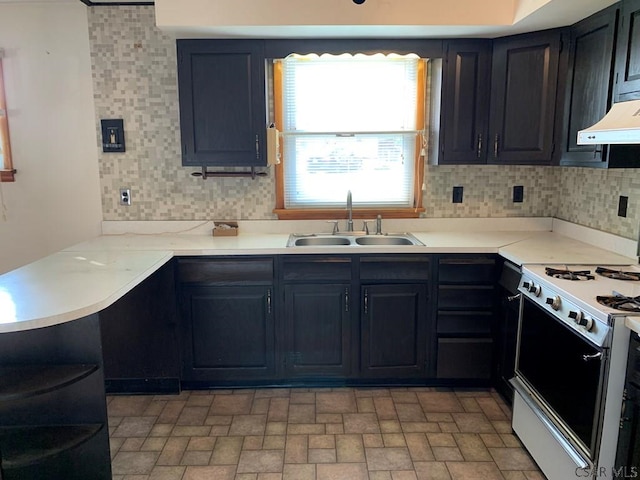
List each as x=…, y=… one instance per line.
x=394, y=268
x=454, y=297
x=467, y=270
x=465, y=323
x=320, y=268
x=232, y=270
x=464, y=358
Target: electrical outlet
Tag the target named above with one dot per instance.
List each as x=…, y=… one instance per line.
x=518, y=194
x=622, y=206
x=457, y=194
x=125, y=196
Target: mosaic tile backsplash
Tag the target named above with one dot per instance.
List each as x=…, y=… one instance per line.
x=135, y=78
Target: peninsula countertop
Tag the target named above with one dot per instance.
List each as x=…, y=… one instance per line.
x=88, y=277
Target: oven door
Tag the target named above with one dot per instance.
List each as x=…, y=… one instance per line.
x=563, y=373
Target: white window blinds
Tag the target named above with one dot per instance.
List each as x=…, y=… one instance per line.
x=349, y=123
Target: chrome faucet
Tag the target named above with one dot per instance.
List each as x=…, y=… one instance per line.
x=379, y=225
x=350, y=211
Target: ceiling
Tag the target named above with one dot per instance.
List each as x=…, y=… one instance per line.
x=344, y=18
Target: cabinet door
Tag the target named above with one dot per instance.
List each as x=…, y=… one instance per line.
x=317, y=336
x=394, y=331
x=628, y=53
x=222, y=102
x=463, y=127
x=588, y=88
x=523, y=97
x=229, y=333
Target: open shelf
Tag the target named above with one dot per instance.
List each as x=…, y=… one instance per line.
x=23, y=381
x=27, y=445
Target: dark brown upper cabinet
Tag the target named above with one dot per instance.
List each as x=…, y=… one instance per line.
x=222, y=102
x=465, y=99
x=523, y=98
x=628, y=53
x=499, y=100
x=587, y=86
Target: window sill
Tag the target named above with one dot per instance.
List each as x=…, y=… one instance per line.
x=7, y=176
x=341, y=213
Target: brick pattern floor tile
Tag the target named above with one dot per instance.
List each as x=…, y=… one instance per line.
x=414, y=433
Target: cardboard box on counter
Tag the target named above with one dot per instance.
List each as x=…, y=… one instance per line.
x=225, y=229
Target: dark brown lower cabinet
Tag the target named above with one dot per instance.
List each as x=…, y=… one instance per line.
x=230, y=335
x=337, y=319
x=317, y=335
x=53, y=412
x=394, y=331
x=227, y=320
x=139, y=338
x=466, y=318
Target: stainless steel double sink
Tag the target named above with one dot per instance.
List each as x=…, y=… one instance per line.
x=351, y=239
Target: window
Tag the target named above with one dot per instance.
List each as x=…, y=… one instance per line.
x=6, y=166
x=350, y=122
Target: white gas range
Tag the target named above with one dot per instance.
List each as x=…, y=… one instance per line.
x=570, y=366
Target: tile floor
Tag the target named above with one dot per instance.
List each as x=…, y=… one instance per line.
x=316, y=434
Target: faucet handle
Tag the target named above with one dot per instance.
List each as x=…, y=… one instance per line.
x=365, y=226
x=335, y=226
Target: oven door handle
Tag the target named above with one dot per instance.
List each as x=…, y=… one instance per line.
x=595, y=356
x=553, y=430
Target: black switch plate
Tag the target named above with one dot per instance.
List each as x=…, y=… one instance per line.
x=622, y=206
x=112, y=135
x=518, y=193
x=457, y=194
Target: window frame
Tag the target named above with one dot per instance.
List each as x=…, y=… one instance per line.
x=358, y=212
x=7, y=172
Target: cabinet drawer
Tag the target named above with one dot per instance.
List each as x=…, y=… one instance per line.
x=455, y=297
x=232, y=270
x=465, y=323
x=467, y=270
x=464, y=358
x=394, y=268
x=316, y=268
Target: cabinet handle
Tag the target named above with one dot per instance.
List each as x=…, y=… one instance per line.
x=366, y=301
x=496, y=145
x=346, y=299
x=479, y=150
x=269, y=301
x=257, y=147
x=596, y=152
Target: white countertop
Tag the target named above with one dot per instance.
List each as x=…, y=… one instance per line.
x=88, y=277
x=67, y=285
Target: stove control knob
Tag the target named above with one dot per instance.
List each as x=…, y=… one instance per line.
x=535, y=289
x=581, y=320
x=554, y=302
x=585, y=322
x=526, y=285
x=576, y=315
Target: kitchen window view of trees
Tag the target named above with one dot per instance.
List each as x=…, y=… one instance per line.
x=350, y=122
x=6, y=166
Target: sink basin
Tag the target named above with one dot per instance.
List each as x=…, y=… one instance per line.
x=384, y=240
x=352, y=239
x=319, y=241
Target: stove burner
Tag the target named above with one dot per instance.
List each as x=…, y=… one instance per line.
x=618, y=274
x=620, y=302
x=566, y=274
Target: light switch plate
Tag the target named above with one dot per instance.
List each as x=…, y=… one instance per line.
x=112, y=135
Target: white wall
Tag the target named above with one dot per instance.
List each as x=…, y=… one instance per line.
x=55, y=200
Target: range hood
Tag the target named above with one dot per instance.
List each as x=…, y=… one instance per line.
x=620, y=126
